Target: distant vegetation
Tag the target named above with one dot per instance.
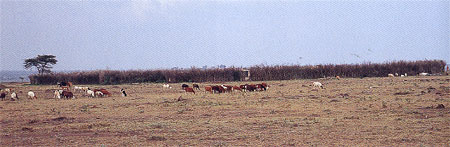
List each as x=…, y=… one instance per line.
x=257, y=73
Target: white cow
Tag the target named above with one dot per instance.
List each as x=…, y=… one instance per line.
x=318, y=84
x=31, y=95
x=424, y=74
x=390, y=75
x=90, y=93
x=167, y=86
x=14, y=96
x=57, y=94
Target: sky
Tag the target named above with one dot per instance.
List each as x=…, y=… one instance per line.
x=162, y=34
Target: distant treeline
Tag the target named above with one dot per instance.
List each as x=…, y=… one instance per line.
x=257, y=73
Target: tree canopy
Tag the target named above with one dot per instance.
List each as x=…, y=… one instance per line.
x=43, y=63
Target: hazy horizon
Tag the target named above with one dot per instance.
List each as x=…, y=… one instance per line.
x=157, y=34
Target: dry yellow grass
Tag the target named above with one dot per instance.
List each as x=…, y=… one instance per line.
x=350, y=112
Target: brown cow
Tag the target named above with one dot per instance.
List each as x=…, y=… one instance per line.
x=208, y=88
x=260, y=87
x=104, y=91
x=265, y=85
x=236, y=88
x=67, y=94
x=227, y=88
x=189, y=89
x=218, y=89
x=250, y=87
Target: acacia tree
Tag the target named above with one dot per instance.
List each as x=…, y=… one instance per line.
x=43, y=63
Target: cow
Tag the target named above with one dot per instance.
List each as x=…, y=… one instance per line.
x=317, y=84
x=189, y=89
x=250, y=87
x=57, y=94
x=7, y=90
x=260, y=87
x=195, y=86
x=78, y=88
x=2, y=96
x=124, y=94
x=184, y=86
x=104, y=91
x=31, y=95
x=14, y=96
x=217, y=89
x=265, y=85
x=60, y=84
x=208, y=89
x=67, y=95
x=167, y=86
x=242, y=87
x=90, y=93
x=68, y=84
x=99, y=94
x=227, y=88
x=236, y=88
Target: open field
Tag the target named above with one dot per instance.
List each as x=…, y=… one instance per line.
x=368, y=111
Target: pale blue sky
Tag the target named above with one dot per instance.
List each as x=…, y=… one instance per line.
x=155, y=34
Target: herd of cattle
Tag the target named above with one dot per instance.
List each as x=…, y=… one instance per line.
x=66, y=90
x=224, y=88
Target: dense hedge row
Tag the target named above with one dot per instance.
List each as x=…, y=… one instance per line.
x=258, y=73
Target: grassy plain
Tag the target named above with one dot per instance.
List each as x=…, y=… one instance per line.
x=350, y=112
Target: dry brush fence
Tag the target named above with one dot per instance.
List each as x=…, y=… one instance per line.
x=258, y=73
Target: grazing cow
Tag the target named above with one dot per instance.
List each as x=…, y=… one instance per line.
x=90, y=93
x=208, y=88
x=68, y=84
x=184, y=86
x=338, y=77
x=424, y=74
x=78, y=88
x=31, y=95
x=7, y=90
x=250, y=87
x=265, y=85
x=189, y=89
x=227, y=88
x=14, y=96
x=67, y=95
x=104, y=92
x=166, y=86
x=217, y=89
x=57, y=94
x=60, y=84
x=99, y=94
x=318, y=84
x=260, y=87
x=2, y=96
x=124, y=94
x=242, y=87
x=236, y=88
x=195, y=86
x=390, y=75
